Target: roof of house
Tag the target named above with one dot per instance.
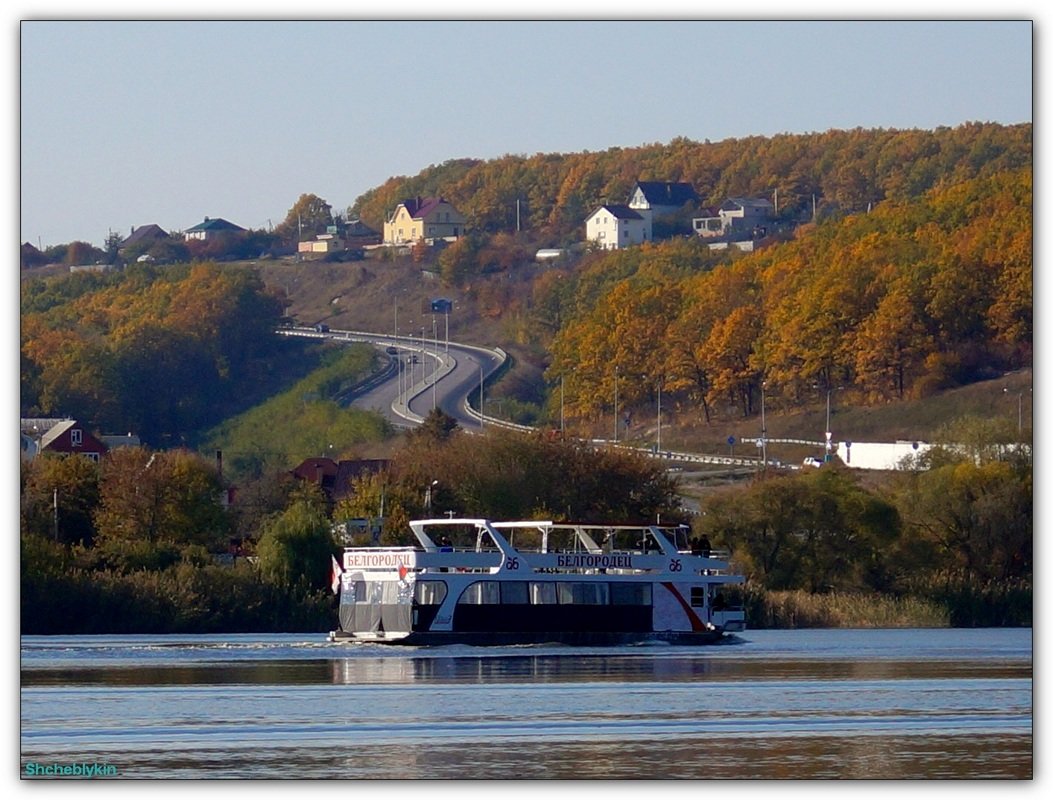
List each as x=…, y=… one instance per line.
x=620, y=211
x=420, y=207
x=38, y=426
x=335, y=478
x=57, y=430
x=356, y=227
x=667, y=193
x=213, y=225
x=145, y=233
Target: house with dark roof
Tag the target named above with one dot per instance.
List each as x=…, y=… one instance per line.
x=425, y=218
x=211, y=228
x=661, y=198
x=614, y=226
x=144, y=235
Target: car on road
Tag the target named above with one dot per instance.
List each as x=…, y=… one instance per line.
x=812, y=461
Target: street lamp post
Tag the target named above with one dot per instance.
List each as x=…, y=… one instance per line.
x=659, y=416
x=616, y=405
x=435, y=363
x=1019, y=409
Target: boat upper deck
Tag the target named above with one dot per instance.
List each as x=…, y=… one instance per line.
x=532, y=546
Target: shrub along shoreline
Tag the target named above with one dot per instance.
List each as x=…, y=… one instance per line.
x=208, y=599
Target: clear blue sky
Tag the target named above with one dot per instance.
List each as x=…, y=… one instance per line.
x=123, y=124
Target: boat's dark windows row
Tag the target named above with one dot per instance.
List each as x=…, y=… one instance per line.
x=515, y=593
x=583, y=594
x=429, y=593
x=552, y=593
x=698, y=596
x=630, y=594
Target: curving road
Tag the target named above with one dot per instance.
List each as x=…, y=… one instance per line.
x=430, y=374
x=426, y=374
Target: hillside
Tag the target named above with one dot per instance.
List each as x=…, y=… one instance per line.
x=915, y=280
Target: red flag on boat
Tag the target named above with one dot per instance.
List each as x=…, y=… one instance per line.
x=334, y=576
x=402, y=571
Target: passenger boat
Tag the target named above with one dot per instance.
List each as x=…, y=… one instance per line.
x=534, y=582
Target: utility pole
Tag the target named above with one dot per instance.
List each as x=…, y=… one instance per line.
x=562, y=428
x=763, y=429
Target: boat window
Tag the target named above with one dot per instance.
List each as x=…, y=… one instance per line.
x=698, y=596
x=371, y=592
x=580, y=593
x=481, y=593
x=630, y=594
x=429, y=593
x=515, y=592
x=543, y=594
x=390, y=592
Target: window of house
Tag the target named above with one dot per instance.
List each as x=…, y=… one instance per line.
x=76, y=437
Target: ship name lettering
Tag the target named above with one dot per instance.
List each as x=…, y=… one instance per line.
x=591, y=561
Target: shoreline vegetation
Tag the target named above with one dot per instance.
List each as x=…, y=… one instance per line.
x=188, y=598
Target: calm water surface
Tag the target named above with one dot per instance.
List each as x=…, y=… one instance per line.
x=774, y=704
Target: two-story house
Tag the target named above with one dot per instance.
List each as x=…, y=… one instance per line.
x=420, y=218
x=654, y=199
x=613, y=227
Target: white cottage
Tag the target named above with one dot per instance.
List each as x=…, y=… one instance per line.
x=614, y=227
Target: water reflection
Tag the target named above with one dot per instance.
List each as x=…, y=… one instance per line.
x=279, y=708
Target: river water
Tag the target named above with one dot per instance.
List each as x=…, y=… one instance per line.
x=773, y=704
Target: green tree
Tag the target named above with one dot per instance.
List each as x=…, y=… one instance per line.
x=818, y=532
x=978, y=518
x=170, y=497
x=59, y=496
x=296, y=546
x=309, y=215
